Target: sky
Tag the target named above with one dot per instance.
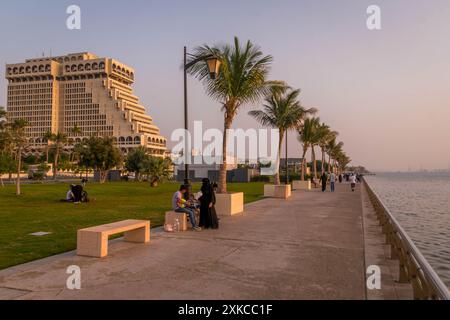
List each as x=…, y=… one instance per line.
x=387, y=92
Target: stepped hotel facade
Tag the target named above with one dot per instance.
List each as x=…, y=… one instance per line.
x=81, y=91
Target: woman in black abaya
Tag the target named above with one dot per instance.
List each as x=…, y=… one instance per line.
x=208, y=215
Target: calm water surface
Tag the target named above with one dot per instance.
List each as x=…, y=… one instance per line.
x=421, y=204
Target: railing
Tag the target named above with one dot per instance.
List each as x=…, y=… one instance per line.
x=414, y=268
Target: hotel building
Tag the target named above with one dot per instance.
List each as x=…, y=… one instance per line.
x=80, y=90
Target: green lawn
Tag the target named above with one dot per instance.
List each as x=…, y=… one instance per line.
x=39, y=209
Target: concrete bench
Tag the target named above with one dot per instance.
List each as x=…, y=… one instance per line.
x=93, y=242
x=301, y=185
x=281, y=191
x=172, y=216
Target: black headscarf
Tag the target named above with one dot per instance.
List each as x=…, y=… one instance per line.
x=208, y=193
x=206, y=186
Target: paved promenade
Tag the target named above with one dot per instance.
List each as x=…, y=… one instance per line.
x=308, y=247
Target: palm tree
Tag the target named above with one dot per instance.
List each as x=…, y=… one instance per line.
x=325, y=135
x=283, y=111
x=59, y=140
x=307, y=136
x=135, y=161
x=47, y=137
x=157, y=169
x=318, y=133
x=75, y=131
x=242, y=80
x=19, y=142
x=337, y=153
x=343, y=161
x=333, y=148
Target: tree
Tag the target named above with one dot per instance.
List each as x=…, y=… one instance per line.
x=135, y=161
x=322, y=135
x=7, y=153
x=19, y=142
x=81, y=164
x=7, y=165
x=59, y=139
x=40, y=173
x=333, y=148
x=100, y=154
x=242, y=80
x=2, y=118
x=283, y=111
x=75, y=131
x=5, y=137
x=343, y=161
x=318, y=133
x=325, y=135
x=156, y=169
x=307, y=137
x=48, y=135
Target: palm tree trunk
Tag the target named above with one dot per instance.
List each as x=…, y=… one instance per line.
x=329, y=163
x=323, y=160
x=314, y=161
x=305, y=149
x=277, y=180
x=19, y=164
x=222, y=185
x=46, y=154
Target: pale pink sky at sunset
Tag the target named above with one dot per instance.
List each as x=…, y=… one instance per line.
x=387, y=92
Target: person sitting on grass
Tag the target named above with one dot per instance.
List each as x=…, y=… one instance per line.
x=76, y=195
x=70, y=197
x=179, y=205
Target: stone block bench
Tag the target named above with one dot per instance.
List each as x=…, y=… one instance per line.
x=277, y=191
x=301, y=185
x=229, y=204
x=93, y=242
x=172, y=216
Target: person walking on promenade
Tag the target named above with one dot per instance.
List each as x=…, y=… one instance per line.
x=353, y=182
x=313, y=182
x=340, y=178
x=332, y=181
x=208, y=215
x=323, y=180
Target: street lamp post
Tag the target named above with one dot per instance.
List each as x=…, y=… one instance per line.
x=213, y=64
x=186, y=124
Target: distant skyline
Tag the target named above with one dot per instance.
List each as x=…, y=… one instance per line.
x=386, y=92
